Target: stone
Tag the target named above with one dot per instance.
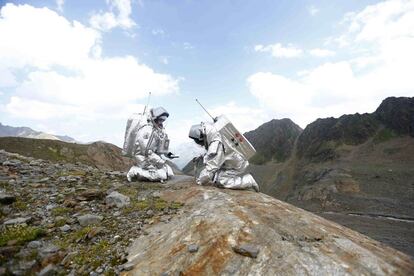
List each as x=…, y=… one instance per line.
x=17, y=221
x=248, y=250
x=94, y=231
x=89, y=219
x=117, y=199
x=34, y=244
x=128, y=266
x=65, y=228
x=48, y=249
x=27, y=265
x=7, y=198
x=192, y=248
x=92, y=194
x=49, y=270
x=70, y=203
x=66, y=262
x=12, y=163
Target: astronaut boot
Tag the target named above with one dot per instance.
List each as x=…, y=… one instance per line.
x=248, y=178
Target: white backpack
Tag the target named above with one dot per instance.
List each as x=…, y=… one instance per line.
x=233, y=138
x=135, y=122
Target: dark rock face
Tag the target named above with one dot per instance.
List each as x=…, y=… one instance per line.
x=397, y=114
x=273, y=140
x=357, y=164
x=319, y=139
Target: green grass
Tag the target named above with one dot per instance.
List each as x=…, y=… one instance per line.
x=21, y=234
x=59, y=211
x=384, y=135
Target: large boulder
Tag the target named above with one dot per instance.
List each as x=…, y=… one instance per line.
x=247, y=233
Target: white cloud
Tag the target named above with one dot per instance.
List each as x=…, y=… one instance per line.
x=279, y=51
x=41, y=38
x=62, y=74
x=379, y=39
x=187, y=46
x=317, y=52
x=313, y=10
x=118, y=16
x=164, y=60
x=158, y=32
x=7, y=78
x=244, y=118
x=60, y=4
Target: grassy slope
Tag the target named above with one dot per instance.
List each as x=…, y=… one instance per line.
x=101, y=155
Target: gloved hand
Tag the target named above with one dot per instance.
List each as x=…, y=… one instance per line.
x=170, y=155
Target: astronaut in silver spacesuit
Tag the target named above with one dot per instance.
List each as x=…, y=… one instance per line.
x=223, y=166
x=150, y=143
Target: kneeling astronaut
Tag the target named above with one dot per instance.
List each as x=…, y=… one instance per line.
x=226, y=157
x=145, y=141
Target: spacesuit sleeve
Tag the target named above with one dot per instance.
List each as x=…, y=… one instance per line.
x=142, y=140
x=213, y=160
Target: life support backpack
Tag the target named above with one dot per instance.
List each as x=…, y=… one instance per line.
x=233, y=138
x=135, y=122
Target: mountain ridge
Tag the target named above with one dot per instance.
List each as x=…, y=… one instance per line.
x=355, y=164
x=27, y=132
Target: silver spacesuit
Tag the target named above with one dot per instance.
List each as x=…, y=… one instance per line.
x=223, y=165
x=150, y=142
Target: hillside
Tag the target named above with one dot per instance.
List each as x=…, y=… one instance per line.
x=99, y=154
x=357, y=170
x=60, y=219
x=26, y=132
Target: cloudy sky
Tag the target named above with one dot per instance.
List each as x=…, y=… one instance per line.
x=80, y=68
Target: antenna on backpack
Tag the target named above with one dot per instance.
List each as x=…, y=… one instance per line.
x=214, y=119
x=145, y=108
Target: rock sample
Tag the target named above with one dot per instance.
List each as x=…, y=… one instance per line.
x=117, y=199
x=283, y=240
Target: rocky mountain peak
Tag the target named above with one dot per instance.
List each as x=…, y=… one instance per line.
x=273, y=140
x=397, y=113
x=395, y=116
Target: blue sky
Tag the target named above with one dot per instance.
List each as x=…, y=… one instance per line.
x=80, y=67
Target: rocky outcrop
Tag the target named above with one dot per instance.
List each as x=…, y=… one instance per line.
x=71, y=219
x=247, y=233
x=320, y=139
x=397, y=114
x=273, y=140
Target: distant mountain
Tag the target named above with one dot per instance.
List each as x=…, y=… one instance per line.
x=9, y=131
x=357, y=170
x=273, y=140
x=393, y=118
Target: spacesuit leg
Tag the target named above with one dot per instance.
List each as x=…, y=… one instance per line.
x=138, y=173
x=231, y=180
